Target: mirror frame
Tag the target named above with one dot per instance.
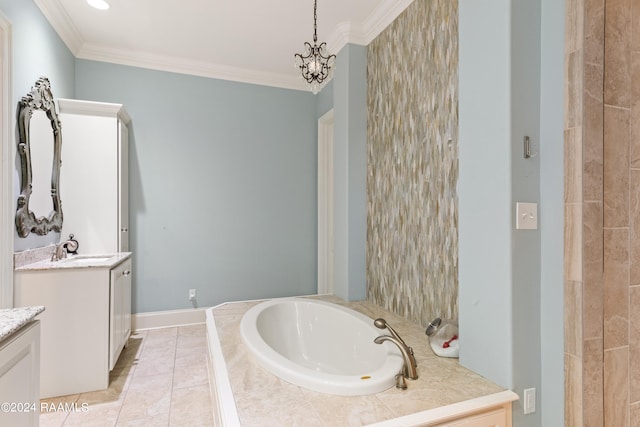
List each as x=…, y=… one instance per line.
x=39, y=98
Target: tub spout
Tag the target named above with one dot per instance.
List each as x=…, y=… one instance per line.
x=409, y=369
x=380, y=323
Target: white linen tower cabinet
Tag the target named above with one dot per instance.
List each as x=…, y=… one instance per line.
x=94, y=177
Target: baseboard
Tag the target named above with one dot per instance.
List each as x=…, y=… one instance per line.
x=167, y=319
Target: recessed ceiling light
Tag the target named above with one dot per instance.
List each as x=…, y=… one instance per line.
x=99, y=4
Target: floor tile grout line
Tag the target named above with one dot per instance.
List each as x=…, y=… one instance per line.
x=173, y=374
x=130, y=375
x=131, y=380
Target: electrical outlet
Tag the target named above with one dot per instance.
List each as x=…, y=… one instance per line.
x=529, y=400
x=192, y=294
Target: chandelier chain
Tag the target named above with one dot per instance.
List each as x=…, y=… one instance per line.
x=315, y=21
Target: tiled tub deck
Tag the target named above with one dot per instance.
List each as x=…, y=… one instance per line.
x=258, y=398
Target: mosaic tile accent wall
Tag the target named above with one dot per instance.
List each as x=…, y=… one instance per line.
x=412, y=163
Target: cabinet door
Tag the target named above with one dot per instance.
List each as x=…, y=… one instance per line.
x=88, y=182
x=126, y=302
x=94, y=176
x=119, y=310
x=20, y=378
x=115, y=318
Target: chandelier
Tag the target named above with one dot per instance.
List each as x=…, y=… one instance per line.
x=316, y=65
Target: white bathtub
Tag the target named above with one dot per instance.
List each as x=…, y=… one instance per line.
x=320, y=346
x=237, y=366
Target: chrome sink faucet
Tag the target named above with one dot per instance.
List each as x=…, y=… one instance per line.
x=60, y=251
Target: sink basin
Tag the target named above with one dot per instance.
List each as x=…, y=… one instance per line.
x=86, y=259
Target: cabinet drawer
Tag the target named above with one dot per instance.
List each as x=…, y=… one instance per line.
x=494, y=418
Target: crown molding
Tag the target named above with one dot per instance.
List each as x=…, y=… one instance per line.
x=92, y=108
x=59, y=19
x=343, y=34
x=185, y=66
x=381, y=17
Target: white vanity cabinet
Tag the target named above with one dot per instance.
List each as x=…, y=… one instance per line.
x=94, y=175
x=86, y=323
x=19, y=377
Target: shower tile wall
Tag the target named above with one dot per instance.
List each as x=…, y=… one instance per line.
x=584, y=252
x=602, y=213
x=412, y=163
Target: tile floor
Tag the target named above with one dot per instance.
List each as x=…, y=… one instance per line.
x=159, y=380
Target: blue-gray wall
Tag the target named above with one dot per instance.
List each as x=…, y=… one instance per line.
x=511, y=311
x=350, y=172
x=484, y=189
x=36, y=51
x=324, y=100
x=551, y=153
x=223, y=184
x=525, y=178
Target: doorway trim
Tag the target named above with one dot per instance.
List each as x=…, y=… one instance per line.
x=325, y=204
x=6, y=162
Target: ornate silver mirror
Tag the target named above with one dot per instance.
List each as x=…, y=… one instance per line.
x=39, y=147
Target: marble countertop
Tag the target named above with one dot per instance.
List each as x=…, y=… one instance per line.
x=263, y=399
x=100, y=261
x=12, y=319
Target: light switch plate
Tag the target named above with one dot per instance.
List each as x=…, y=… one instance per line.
x=526, y=216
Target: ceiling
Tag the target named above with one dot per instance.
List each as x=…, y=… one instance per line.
x=250, y=41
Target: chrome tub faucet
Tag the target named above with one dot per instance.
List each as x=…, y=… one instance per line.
x=409, y=370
